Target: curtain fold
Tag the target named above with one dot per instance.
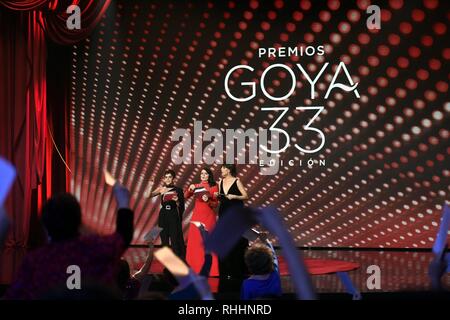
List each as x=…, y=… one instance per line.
x=91, y=13
x=27, y=28
x=23, y=104
x=24, y=4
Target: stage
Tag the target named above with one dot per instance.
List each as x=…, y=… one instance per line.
x=403, y=271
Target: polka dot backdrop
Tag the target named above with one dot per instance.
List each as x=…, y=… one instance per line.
x=152, y=67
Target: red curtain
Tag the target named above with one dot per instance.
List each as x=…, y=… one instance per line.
x=91, y=13
x=55, y=16
x=23, y=4
x=23, y=110
x=26, y=26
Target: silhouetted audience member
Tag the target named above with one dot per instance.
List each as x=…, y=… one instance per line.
x=90, y=291
x=127, y=284
x=130, y=284
x=157, y=286
x=97, y=257
x=262, y=264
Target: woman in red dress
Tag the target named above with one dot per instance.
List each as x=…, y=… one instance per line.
x=205, y=202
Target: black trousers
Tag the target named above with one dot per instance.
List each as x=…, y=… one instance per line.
x=233, y=265
x=172, y=230
x=232, y=268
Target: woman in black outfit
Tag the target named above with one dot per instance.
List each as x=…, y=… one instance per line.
x=232, y=194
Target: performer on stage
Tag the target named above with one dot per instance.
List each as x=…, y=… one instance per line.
x=205, y=202
x=232, y=193
x=171, y=214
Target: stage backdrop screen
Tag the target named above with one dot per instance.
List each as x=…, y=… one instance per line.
x=336, y=112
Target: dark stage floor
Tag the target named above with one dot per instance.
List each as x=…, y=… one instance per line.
x=400, y=270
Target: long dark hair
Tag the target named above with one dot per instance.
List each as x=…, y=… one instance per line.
x=231, y=167
x=211, y=180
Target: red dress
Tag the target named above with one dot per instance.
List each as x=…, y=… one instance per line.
x=204, y=213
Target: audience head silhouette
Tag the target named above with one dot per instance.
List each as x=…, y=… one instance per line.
x=259, y=259
x=61, y=216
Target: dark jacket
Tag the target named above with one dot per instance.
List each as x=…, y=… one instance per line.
x=180, y=195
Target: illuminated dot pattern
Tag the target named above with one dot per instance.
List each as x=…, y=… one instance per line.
x=150, y=68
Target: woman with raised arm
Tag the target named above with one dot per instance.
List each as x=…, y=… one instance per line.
x=171, y=213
